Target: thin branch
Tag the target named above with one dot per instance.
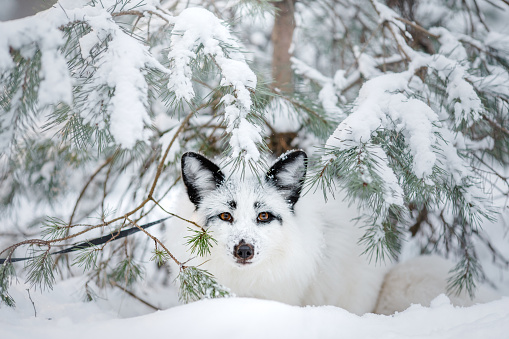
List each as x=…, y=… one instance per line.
x=38, y=242
x=33, y=304
x=494, y=124
x=139, y=14
x=161, y=163
x=156, y=240
x=179, y=217
x=82, y=193
x=112, y=282
x=418, y=27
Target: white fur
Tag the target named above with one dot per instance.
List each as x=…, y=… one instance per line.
x=312, y=257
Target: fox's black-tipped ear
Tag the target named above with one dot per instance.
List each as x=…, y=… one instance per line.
x=200, y=176
x=288, y=173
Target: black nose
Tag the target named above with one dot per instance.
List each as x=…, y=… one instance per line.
x=243, y=251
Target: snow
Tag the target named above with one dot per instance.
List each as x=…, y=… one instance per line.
x=367, y=64
x=128, y=109
x=380, y=105
x=461, y=93
x=449, y=44
x=120, y=68
x=61, y=314
x=197, y=28
x=393, y=193
x=244, y=138
x=328, y=95
x=55, y=78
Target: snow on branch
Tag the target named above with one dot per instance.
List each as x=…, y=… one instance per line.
x=381, y=104
x=120, y=69
x=28, y=36
x=198, y=31
x=331, y=88
x=392, y=101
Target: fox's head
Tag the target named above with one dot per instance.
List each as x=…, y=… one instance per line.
x=246, y=217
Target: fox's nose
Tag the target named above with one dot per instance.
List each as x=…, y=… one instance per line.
x=243, y=251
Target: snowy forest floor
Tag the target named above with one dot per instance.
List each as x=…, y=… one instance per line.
x=61, y=314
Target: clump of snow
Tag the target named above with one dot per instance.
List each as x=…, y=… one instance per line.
x=24, y=35
x=381, y=104
x=195, y=29
x=328, y=95
x=244, y=138
x=460, y=93
x=367, y=65
x=121, y=67
x=393, y=192
x=124, y=72
x=449, y=44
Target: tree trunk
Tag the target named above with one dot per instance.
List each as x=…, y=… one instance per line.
x=282, y=34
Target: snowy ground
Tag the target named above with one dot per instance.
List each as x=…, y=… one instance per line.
x=61, y=314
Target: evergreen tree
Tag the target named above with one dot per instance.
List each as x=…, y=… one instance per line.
x=404, y=104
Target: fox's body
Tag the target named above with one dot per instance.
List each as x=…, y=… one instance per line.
x=274, y=244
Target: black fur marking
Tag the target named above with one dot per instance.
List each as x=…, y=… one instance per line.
x=290, y=190
x=257, y=205
x=212, y=170
x=272, y=217
x=278, y=218
x=209, y=220
x=232, y=204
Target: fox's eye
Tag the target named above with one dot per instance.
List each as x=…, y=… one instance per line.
x=264, y=216
x=225, y=216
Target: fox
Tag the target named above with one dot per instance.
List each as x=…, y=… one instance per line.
x=273, y=242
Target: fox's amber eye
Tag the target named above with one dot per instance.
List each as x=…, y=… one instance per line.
x=264, y=216
x=225, y=216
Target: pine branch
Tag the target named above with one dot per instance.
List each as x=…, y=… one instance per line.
x=196, y=284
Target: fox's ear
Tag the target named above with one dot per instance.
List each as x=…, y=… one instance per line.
x=200, y=176
x=288, y=173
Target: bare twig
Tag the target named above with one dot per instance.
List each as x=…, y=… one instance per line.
x=494, y=124
x=177, y=216
x=113, y=283
x=82, y=193
x=156, y=240
x=418, y=27
x=163, y=159
x=139, y=14
x=33, y=304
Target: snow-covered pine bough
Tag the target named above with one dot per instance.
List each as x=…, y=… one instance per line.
x=273, y=243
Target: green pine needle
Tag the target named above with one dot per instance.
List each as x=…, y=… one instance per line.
x=127, y=272
x=40, y=270
x=196, y=284
x=7, y=273
x=200, y=242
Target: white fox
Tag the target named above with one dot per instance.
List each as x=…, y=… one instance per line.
x=274, y=244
